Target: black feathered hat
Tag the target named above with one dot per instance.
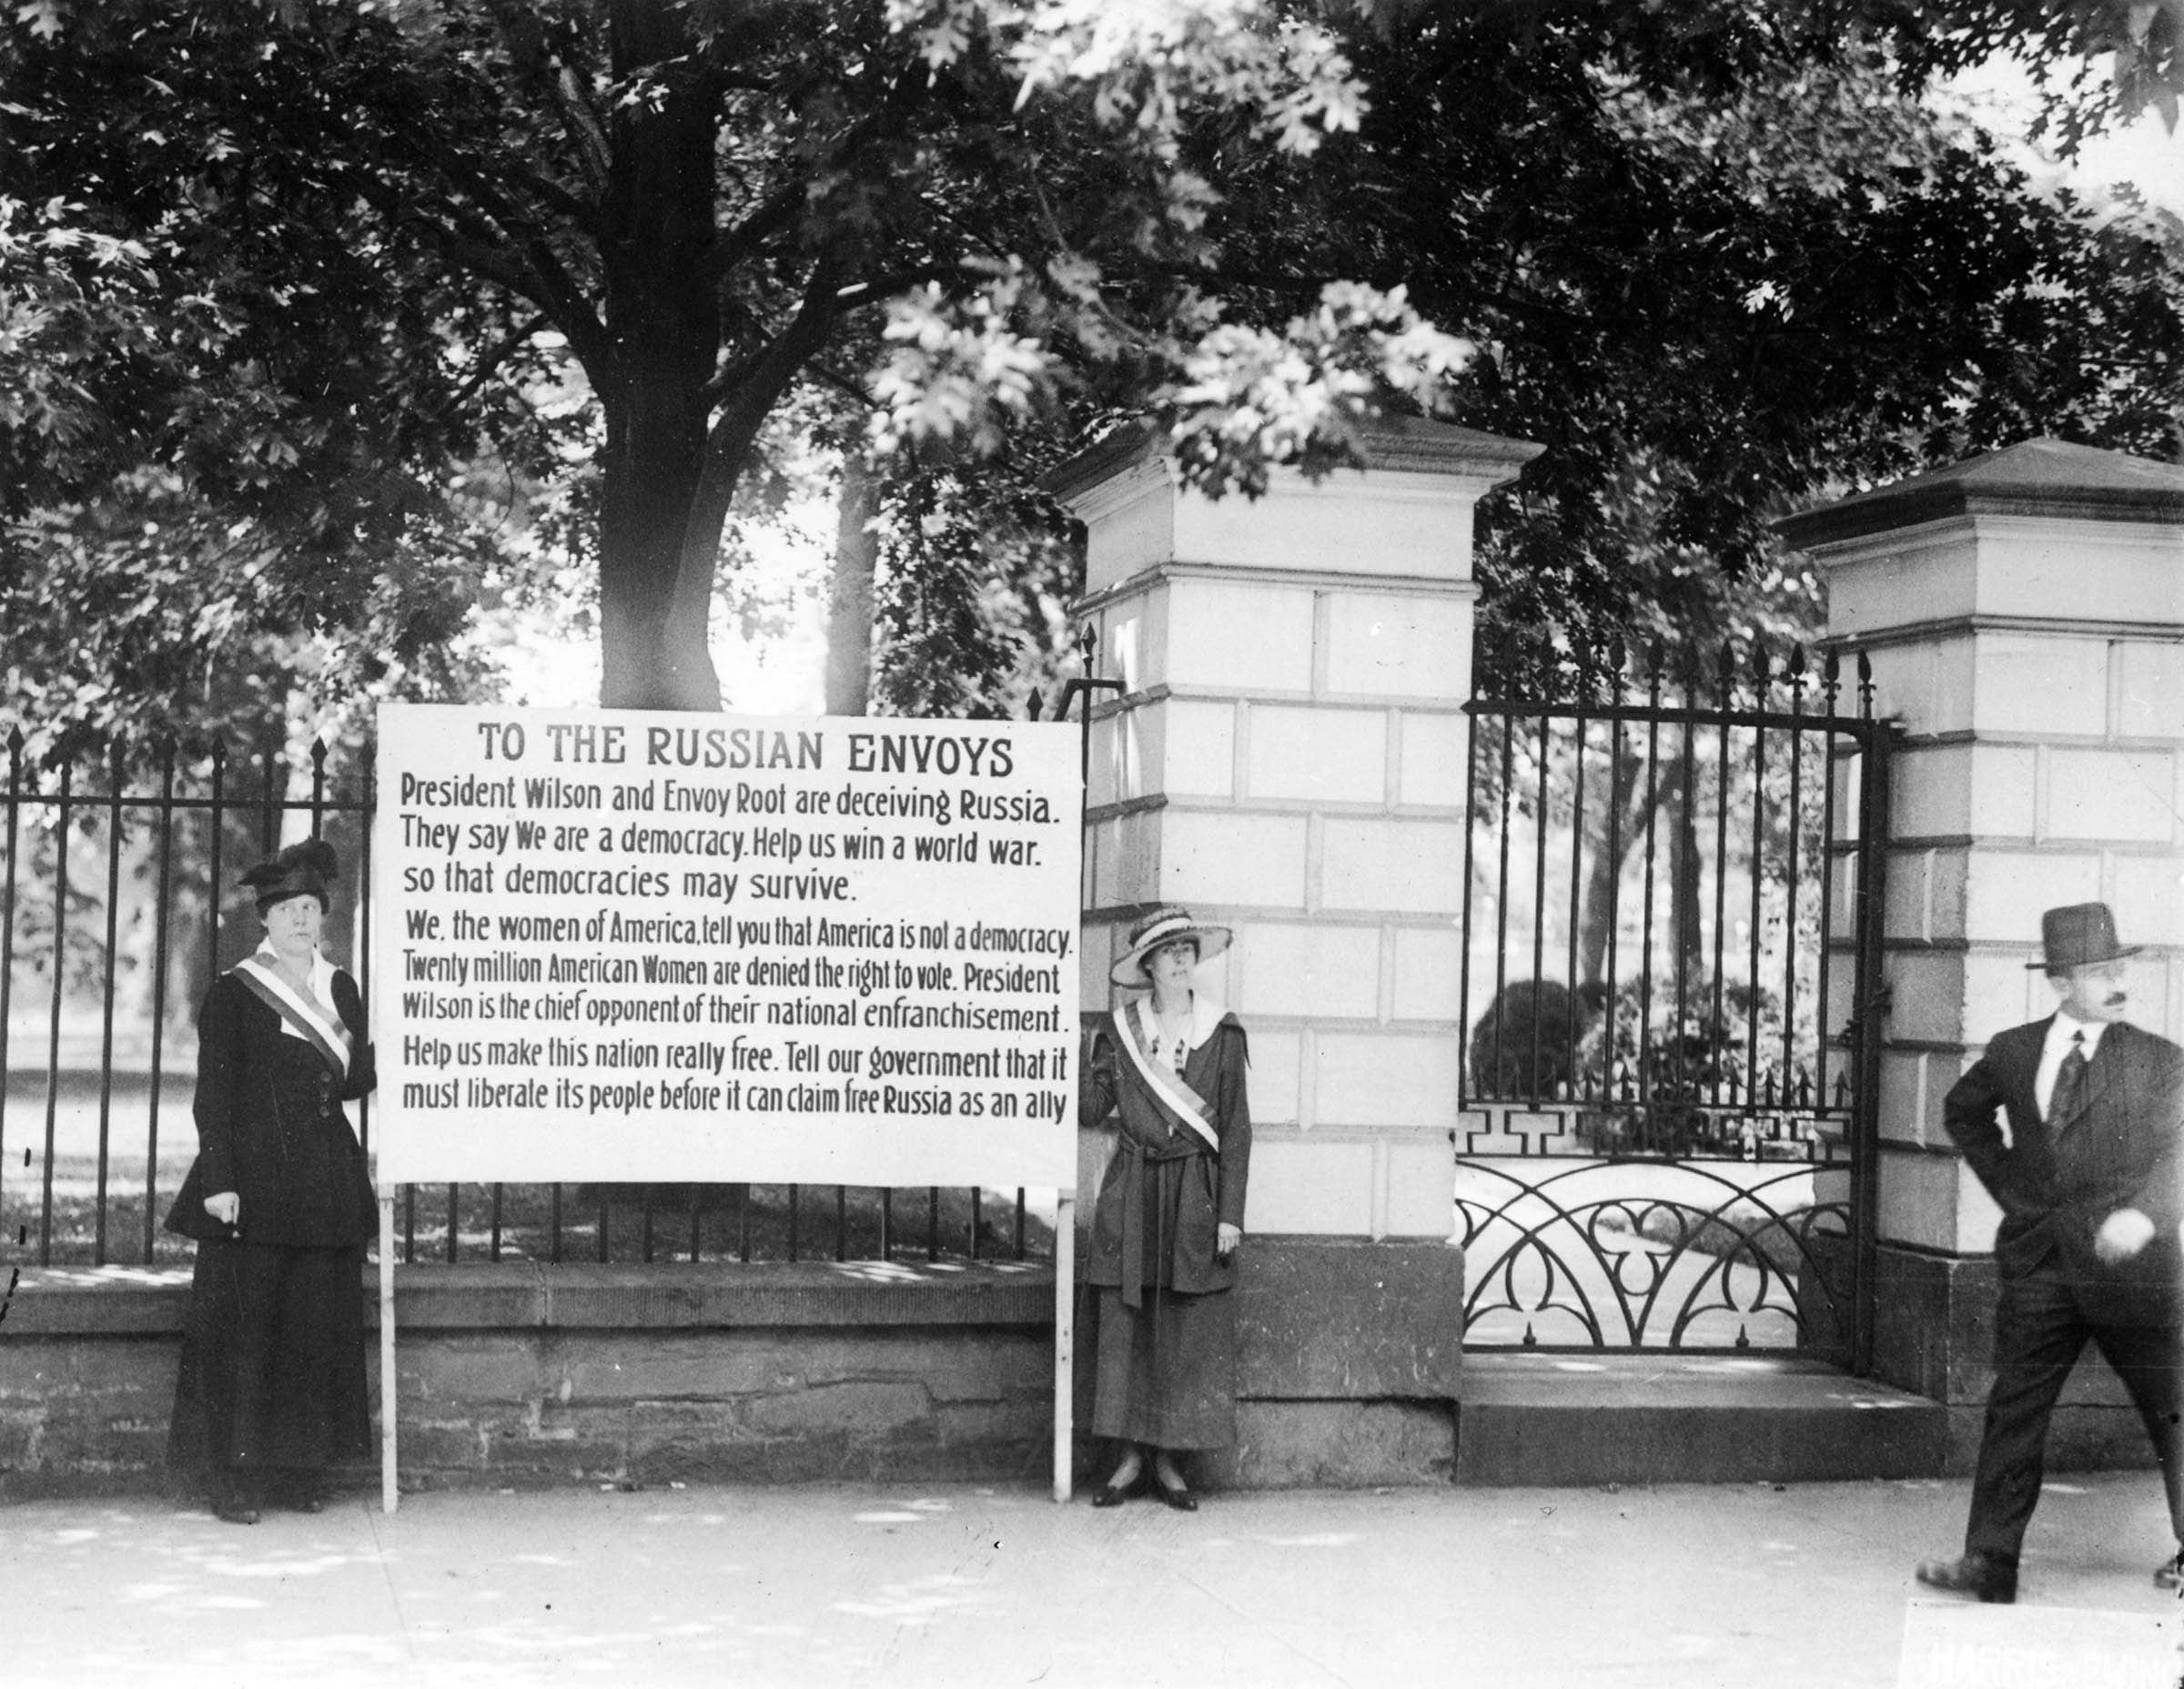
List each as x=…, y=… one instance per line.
x=305, y=870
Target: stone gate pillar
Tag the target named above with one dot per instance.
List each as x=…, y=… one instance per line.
x=2023, y=612
x=1288, y=757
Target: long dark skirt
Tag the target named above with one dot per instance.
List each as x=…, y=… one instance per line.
x=1165, y=1372
x=272, y=1376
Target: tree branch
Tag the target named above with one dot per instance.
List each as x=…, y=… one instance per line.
x=491, y=363
x=728, y=449
x=775, y=213
x=592, y=147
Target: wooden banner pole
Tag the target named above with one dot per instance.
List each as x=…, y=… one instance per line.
x=387, y=1379
x=1065, y=1339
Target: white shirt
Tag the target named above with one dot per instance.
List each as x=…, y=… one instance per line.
x=2061, y=1031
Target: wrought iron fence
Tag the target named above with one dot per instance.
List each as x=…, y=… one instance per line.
x=1669, y=976
x=117, y=911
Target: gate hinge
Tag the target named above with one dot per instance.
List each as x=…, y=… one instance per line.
x=1880, y=1003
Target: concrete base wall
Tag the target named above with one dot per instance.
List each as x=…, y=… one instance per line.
x=518, y=1374
x=1934, y=1334
x=1350, y=1357
x=524, y=1375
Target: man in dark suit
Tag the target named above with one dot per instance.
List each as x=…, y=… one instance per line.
x=2075, y=1126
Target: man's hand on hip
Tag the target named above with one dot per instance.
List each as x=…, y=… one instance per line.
x=2121, y=1236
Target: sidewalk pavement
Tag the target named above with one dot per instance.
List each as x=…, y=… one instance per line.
x=1803, y=1587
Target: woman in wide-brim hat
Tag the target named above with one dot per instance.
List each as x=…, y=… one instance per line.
x=1166, y=1226
x=271, y=1391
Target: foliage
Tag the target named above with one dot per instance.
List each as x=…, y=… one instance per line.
x=1710, y=283
x=1675, y=1076
x=406, y=217
x=975, y=572
x=311, y=272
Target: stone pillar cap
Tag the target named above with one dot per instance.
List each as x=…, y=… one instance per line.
x=1418, y=444
x=2034, y=478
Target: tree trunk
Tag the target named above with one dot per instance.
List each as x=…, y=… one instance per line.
x=664, y=337
x=1626, y=771
x=849, y=597
x=649, y=477
x=1686, y=886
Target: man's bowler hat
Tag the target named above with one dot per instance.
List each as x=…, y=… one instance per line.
x=2079, y=935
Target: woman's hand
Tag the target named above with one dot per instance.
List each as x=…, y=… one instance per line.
x=226, y=1208
x=1225, y=1239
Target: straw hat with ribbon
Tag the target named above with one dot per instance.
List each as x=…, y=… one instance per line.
x=1165, y=926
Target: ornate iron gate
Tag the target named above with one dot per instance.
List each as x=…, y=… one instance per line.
x=1671, y=980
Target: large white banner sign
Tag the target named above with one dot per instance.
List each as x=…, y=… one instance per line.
x=619, y=945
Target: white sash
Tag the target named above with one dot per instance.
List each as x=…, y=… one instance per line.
x=330, y=1038
x=1167, y=1085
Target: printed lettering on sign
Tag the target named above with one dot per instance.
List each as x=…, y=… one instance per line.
x=613, y=945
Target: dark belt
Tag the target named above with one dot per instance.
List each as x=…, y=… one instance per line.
x=1138, y=1153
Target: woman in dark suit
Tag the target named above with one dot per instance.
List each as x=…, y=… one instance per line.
x=1170, y=1212
x=272, y=1391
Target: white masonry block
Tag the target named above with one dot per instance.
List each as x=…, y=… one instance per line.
x=1324, y=755
x=1224, y=857
x=2044, y=685
x=1399, y=646
x=1428, y=974
x=1314, y=1188
x=1248, y=635
x=1413, y=866
x=1381, y=1079
x=2122, y=796
x=1434, y=765
x=1318, y=972
x=2151, y=689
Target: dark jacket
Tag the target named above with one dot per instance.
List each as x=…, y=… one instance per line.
x=270, y=1127
x=2057, y=1181
x=1165, y=1191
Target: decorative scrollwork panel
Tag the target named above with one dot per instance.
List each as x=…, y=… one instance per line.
x=1670, y=1254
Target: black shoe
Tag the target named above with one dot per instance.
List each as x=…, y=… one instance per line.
x=1115, y=1495
x=236, y=1507
x=2169, y=1573
x=1988, y=1576
x=301, y=1498
x=1180, y=1497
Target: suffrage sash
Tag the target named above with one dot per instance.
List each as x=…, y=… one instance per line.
x=329, y=1037
x=1175, y=1098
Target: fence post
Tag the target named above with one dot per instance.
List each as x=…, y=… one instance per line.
x=2024, y=616
x=1288, y=758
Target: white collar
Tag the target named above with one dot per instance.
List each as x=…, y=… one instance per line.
x=2067, y=1028
x=1206, y=1013
x=321, y=972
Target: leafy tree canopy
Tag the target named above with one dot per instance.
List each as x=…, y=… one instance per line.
x=364, y=302
x=1716, y=260
x=395, y=219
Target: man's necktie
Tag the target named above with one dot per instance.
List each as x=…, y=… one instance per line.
x=2069, y=1084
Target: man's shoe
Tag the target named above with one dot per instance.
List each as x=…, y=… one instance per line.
x=2169, y=1573
x=1988, y=1576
